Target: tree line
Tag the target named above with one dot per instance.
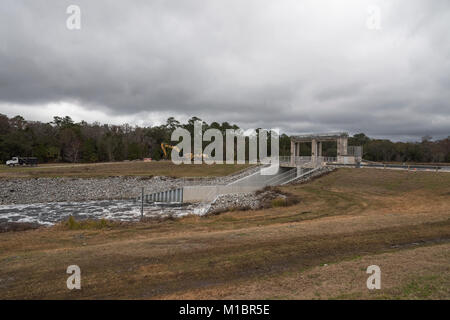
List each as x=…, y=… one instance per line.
x=63, y=140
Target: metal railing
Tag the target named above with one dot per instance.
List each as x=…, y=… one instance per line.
x=300, y=161
x=279, y=179
x=294, y=160
x=168, y=196
x=304, y=172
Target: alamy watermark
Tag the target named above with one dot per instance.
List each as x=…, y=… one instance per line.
x=73, y=22
x=213, y=153
x=73, y=281
x=374, y=281
x=373, y=21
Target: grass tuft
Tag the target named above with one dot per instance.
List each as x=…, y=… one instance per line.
x=73, y=224
x=279, y=202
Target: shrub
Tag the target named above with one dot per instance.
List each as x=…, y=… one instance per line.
x=279, y=202
x=73, y=224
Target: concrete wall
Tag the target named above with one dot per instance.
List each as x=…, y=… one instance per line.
x=247, y=184
x=257, y=179
x=346, y=159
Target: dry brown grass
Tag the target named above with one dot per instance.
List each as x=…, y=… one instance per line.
x=113, y=169
x=416, y=273
x=346, y=219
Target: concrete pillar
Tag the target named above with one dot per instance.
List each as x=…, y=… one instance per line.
x=319, y=152
x=344, y=146
x=292, y=152
x=338, y=147
x=313, y=149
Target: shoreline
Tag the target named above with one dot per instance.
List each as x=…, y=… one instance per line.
x=45, y=190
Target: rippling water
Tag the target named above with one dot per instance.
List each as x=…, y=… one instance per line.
x=125, y=210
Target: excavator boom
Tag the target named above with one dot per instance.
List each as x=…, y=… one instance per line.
x=166, y=145
x=189, y=155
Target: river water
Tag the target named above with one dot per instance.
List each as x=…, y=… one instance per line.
x=124, y=210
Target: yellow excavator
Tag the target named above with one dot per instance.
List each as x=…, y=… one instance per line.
x=188, y=155
x=165, y=145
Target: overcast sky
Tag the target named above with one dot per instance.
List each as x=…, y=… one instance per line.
x=302, y=66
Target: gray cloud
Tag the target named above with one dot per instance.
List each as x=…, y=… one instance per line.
x=301, y=66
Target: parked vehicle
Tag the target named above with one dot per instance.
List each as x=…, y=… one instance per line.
x=22, y=161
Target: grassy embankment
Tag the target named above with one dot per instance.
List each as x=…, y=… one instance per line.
x=113, y=169
x=317, y=249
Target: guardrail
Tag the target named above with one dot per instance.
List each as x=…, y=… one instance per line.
x=294, y=160
x=396, y=166
x=301, y=160
x=406, y=167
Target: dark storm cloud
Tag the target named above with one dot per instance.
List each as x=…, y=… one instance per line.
x=297, y=65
